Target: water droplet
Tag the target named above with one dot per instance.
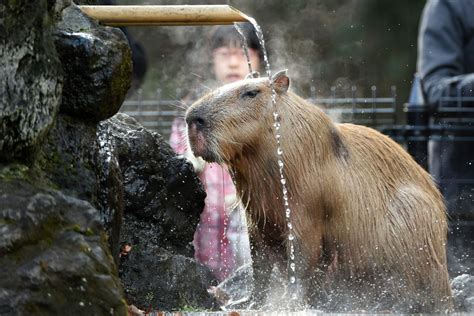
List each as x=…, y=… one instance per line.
x=279, y=151
x=289, y=226
x=292, y=279
x=293, y=266
x=291, y=237
x=283, y=181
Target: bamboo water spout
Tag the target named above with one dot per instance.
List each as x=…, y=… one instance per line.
x=142, y=15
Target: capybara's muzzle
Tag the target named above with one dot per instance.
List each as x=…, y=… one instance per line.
x=195, y=121
x=197, y=126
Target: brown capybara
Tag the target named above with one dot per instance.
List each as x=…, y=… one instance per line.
x=370, y=224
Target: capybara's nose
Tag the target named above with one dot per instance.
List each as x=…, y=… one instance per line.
x=195, y=120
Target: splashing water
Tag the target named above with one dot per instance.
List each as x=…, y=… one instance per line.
x=107, y=162
x=244, y=46
x=277, y=125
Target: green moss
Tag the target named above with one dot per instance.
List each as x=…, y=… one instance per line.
x=189, y=308
x=76, y=228
x=186, y=306
x=85, y=248
x=89, y=232
x=14, y=172
x=149, y=296
x=7, y=221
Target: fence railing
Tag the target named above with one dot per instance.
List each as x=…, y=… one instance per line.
x=375, y=111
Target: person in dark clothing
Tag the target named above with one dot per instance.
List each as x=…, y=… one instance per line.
x=446, y=49
x=446, y=68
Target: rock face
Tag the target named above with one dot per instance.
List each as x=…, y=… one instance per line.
x=159, y=187
x=71, y=189
x=97, y=61
x=30, y=77
x=163, y=200
x=54, y=255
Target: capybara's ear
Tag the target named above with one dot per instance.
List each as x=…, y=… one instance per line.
x=280, y=81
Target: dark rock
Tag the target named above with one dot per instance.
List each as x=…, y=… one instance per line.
x=155, y=278
x=463, y=293
x=111, y=190
x=96, y=63
x=30, y=77
x=159, y=187
x=54, y=255
x=163, y=201
x=68, y=158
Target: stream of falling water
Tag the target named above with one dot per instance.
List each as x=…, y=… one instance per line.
x=105, y=159
x=277, y=126
x=244, y=46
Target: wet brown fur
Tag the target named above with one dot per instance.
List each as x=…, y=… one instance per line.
x=364, y=213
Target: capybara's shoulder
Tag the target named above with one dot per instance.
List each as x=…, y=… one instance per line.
x=358, y=135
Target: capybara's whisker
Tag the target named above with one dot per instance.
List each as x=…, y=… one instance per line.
x=180, y=105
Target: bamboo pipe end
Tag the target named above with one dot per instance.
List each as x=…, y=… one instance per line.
x=133, y=15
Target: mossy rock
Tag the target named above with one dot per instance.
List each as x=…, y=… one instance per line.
x=54, y=255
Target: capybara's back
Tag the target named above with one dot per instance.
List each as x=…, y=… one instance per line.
x=391, y=223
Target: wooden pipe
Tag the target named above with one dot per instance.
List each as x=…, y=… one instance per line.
x=138, y=15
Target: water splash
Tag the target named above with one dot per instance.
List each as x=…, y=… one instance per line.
x=107, y=161
x=244, y=46
x=277, y=125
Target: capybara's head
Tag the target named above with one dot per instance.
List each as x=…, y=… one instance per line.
x=233, y=118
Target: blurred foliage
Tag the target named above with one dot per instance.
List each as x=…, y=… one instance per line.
x=322, y=42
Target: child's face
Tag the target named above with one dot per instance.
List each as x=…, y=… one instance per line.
x=230, y=63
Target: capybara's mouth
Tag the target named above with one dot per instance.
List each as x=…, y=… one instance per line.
x=199, y=144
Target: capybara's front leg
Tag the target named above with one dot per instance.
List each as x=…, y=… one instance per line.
x=264, y=259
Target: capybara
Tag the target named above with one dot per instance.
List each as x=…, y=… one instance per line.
x=370, y=225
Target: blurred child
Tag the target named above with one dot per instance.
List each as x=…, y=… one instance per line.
x=221, y=239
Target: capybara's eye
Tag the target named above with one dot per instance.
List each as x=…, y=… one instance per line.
x=250, y=94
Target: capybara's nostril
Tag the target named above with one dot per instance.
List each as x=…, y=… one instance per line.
x=196, y=120
x=200, y=122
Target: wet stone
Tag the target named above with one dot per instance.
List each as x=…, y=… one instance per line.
x=159, y=187
x=97, y=66
x=54, y=255
x=155, y=278
x=163, y=199
x=67, y=158
x=30, y=77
